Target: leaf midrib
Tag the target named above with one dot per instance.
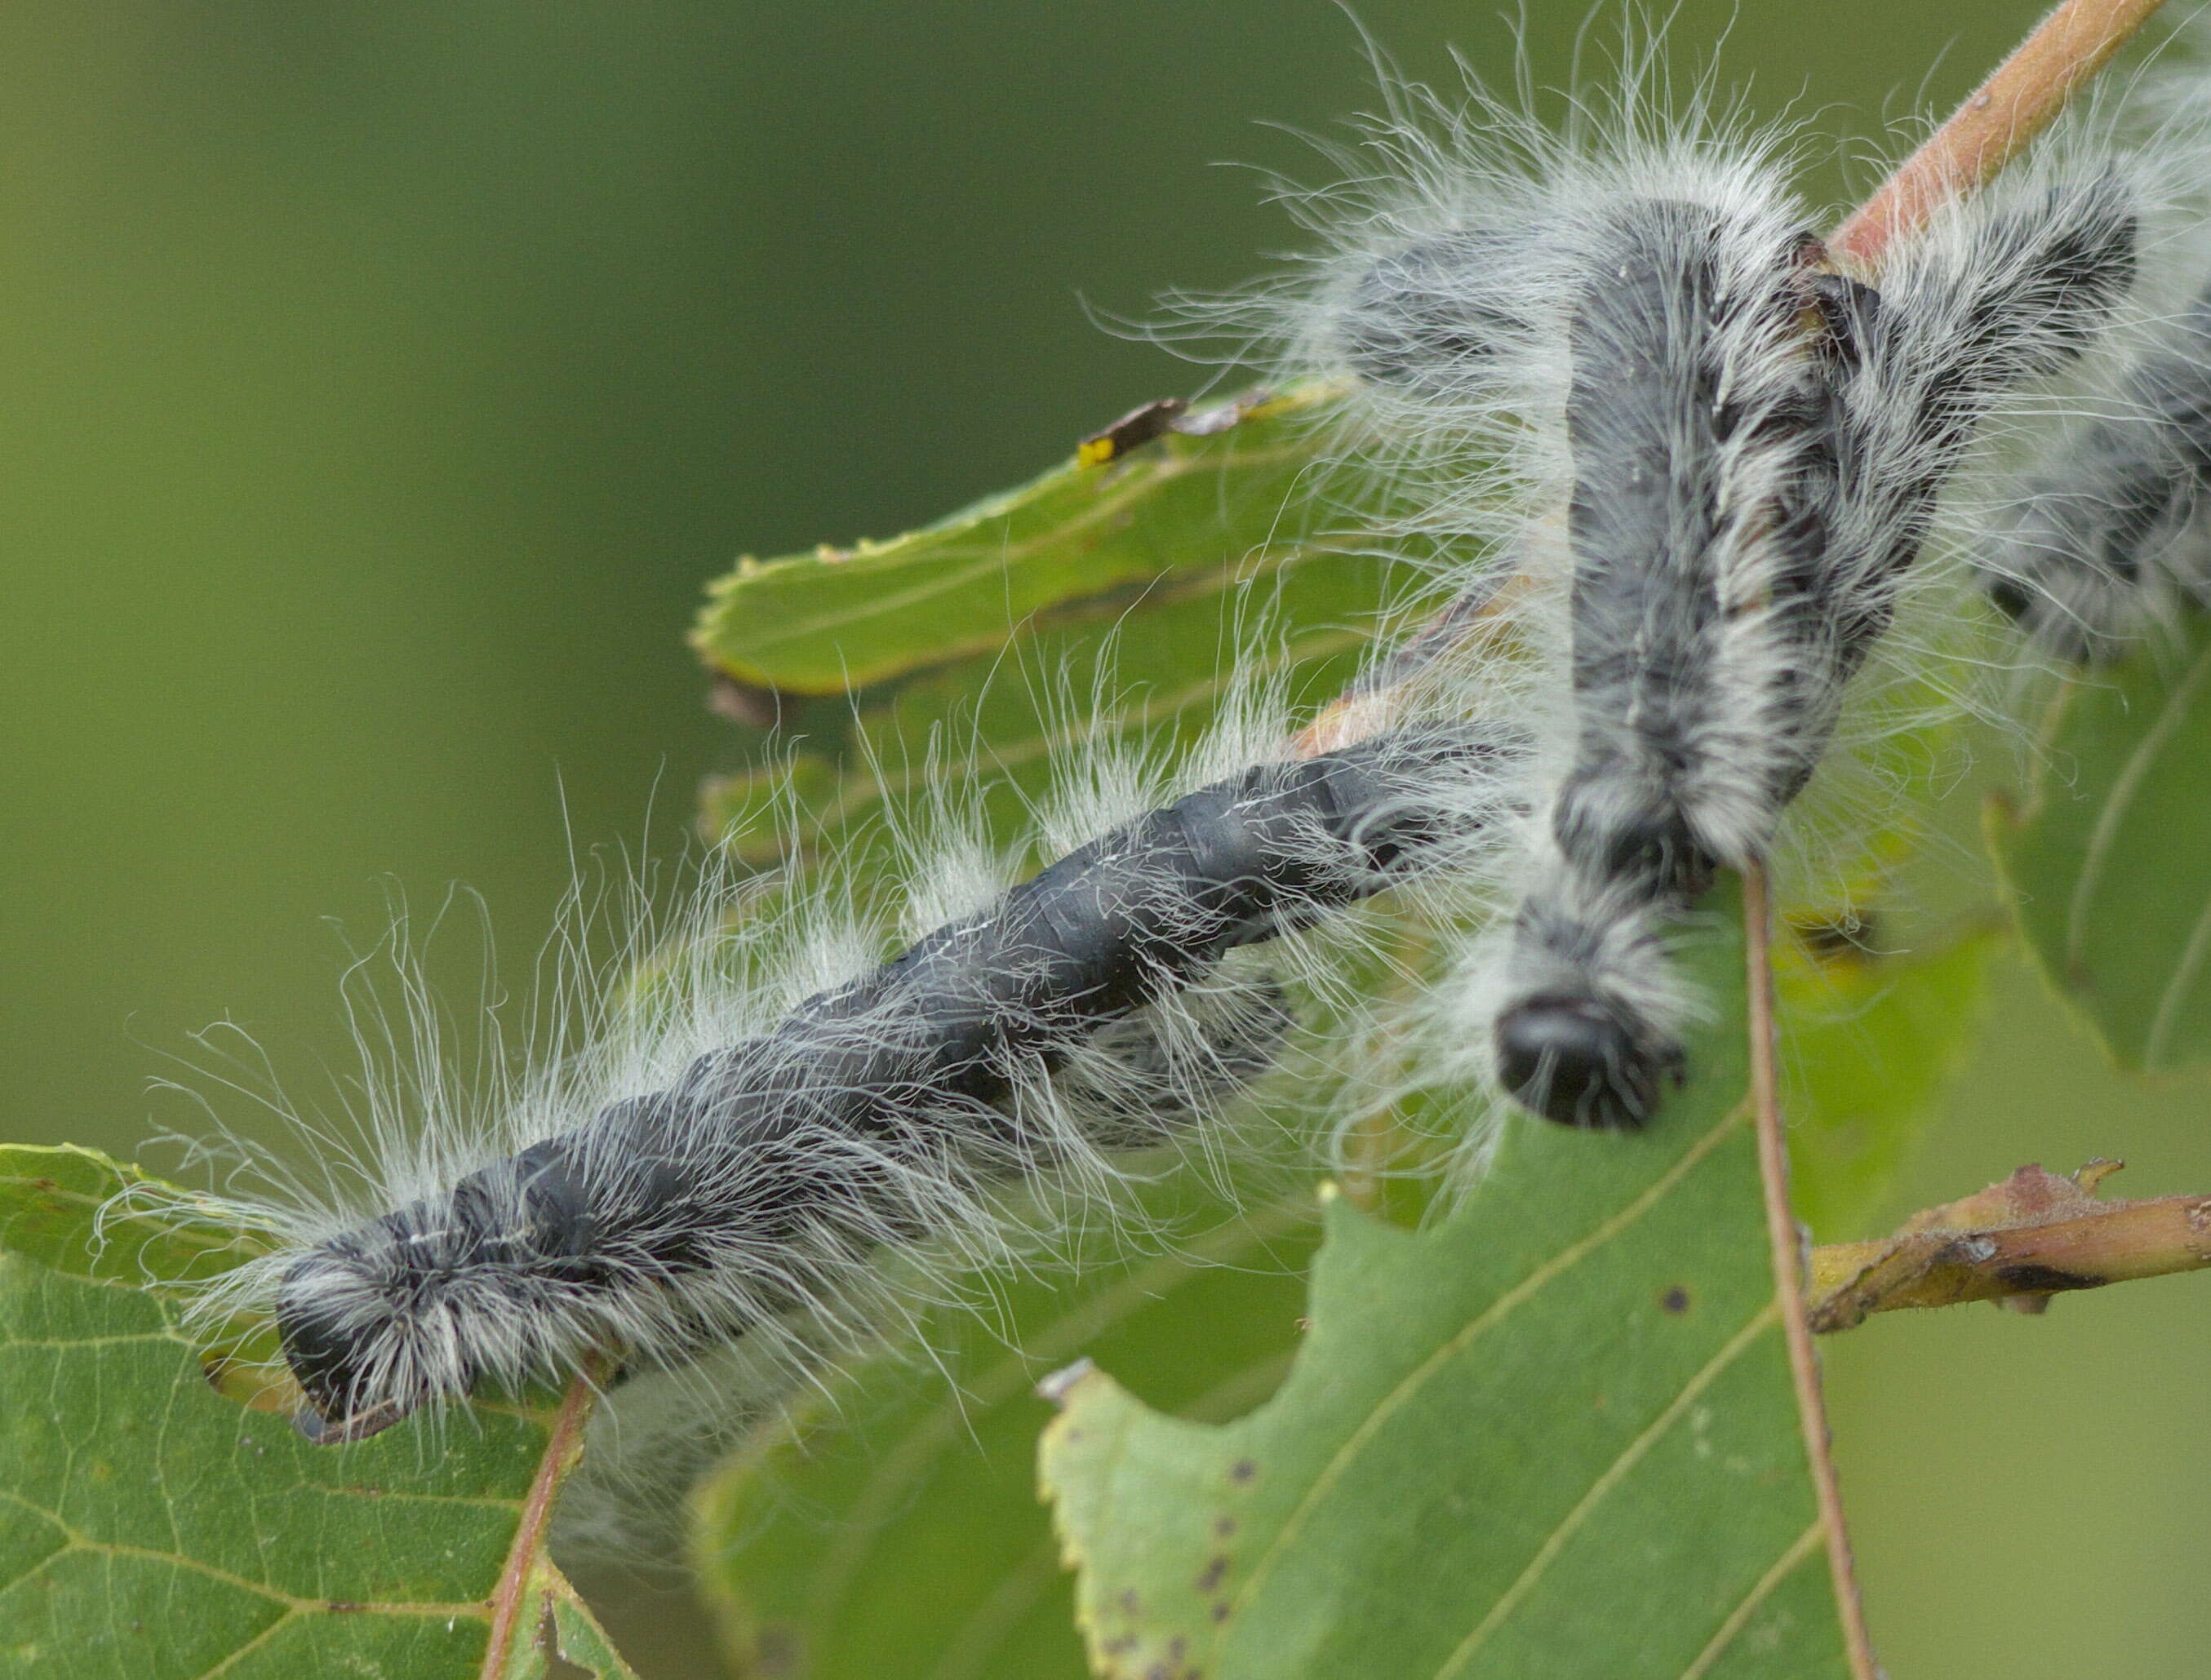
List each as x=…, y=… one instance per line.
x=1408, y=1386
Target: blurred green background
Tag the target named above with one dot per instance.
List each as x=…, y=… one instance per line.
x=381, y=383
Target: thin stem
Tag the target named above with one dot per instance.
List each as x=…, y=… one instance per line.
x=1787, y=1245
x=1996, y=123
x=564, y=1445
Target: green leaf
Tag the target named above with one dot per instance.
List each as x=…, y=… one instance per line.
x=839, y=619
x=891, y=1525
x=998, y=709
x=2109, y=865
x=1001, y=729
x=1554, y=1434
x=152, y=1527
x=1869, y=1045
x=51, y=1203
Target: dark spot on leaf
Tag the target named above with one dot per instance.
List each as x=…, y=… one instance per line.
x=1114, y=1647
x=45, y=1184
x=1242, y=1470
x=1176, y=1647
x=1211, y=1576
x=1129, y=1602
x=1675, y=1299
x=1221, y=1609
x=1224, y=1526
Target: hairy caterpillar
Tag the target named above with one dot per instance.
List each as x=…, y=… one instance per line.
x=2104, y=537
x=1711, y=455
x=757, y=1183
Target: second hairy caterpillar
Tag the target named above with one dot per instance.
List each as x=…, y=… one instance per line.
x=1619, y=368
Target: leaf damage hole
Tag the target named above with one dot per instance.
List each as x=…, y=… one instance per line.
x=557, y=1665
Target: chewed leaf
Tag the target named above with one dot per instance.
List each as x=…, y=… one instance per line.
x=58, y=1206
x=838, y=619
x=151, y=1527
x=2109, y=865
x=938, y=1559
x=1552, y=1435
x=1155, y=671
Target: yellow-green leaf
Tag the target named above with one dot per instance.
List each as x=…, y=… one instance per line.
x=2109, y=864
x=843, y=619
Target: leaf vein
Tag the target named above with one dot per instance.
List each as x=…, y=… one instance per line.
x=2177, y=986
x=1402, y=1395
x=2096, y=853
x=1060, y=1340
x=1739, y=1618
x=1631, y=1455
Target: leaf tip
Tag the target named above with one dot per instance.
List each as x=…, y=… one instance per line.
x=1057, y=1385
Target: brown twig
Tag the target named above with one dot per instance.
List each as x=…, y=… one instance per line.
x=2001, y=116
x=1787, y=1245
x=2020, y=1242
x=564, y=1445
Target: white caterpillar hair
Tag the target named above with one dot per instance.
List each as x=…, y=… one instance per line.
x=735, y=1146
x=1618, y=363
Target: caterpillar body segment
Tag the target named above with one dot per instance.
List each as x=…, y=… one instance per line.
x=1992, y=298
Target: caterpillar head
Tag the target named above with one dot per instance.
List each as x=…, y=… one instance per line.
x=363, y=1359
x=1573, y=1061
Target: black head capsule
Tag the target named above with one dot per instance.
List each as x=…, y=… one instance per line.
x=1573, y=1061
x=323, y=1338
